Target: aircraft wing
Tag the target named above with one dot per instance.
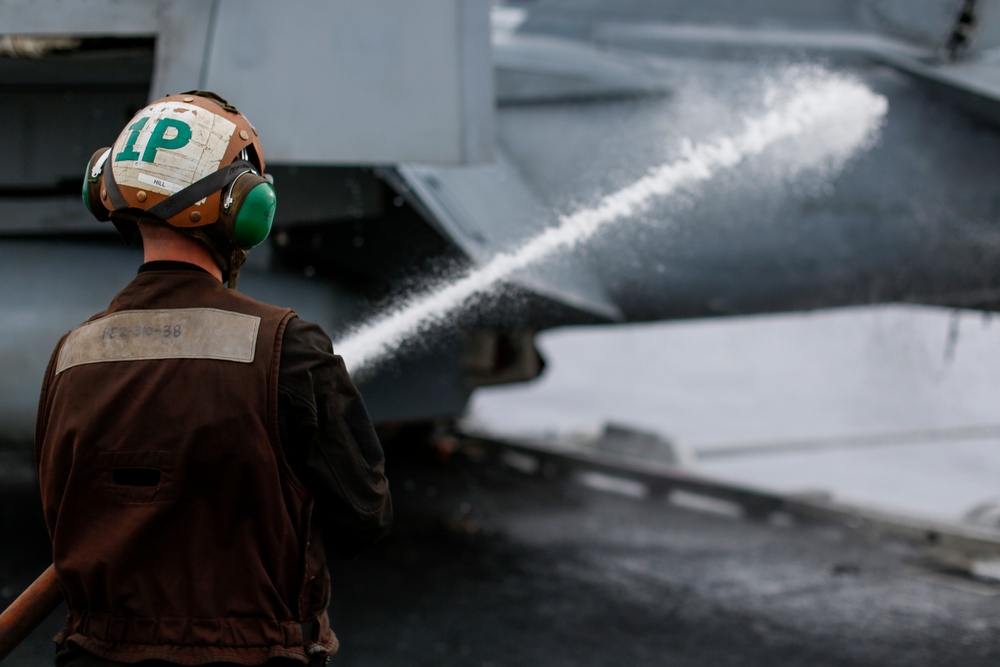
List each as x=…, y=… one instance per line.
x=490, y=209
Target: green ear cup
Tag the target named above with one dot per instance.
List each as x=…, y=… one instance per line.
x=255, y=215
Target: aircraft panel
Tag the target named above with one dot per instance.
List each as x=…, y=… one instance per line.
x=415, y=86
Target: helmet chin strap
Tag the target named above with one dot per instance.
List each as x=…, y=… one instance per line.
x=225, y=252
x=236, y=259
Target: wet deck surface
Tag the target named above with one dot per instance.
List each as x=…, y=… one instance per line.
x=487, y=566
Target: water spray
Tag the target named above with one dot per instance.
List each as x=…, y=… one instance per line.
x=839, y=115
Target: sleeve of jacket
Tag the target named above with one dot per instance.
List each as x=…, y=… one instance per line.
x=329, y=441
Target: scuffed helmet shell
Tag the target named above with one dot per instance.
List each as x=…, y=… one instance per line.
x=173, y=142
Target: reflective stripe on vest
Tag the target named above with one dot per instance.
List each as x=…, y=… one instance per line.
x=185, y=333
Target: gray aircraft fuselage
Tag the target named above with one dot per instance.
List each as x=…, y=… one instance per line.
x=584, y=97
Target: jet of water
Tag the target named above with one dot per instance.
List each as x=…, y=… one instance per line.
x=832, y=116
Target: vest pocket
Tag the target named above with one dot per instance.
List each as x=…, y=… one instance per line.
x=135, y=476
x=139, y=477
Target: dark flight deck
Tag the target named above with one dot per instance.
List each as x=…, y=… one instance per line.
x=491, y=563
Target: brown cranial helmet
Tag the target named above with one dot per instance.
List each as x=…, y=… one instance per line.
x=190, y=161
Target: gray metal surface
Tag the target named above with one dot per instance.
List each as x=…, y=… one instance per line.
x=326, y=83
x=414, y=84
x=923, y=23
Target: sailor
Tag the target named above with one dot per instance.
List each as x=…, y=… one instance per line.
x=198, y=450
